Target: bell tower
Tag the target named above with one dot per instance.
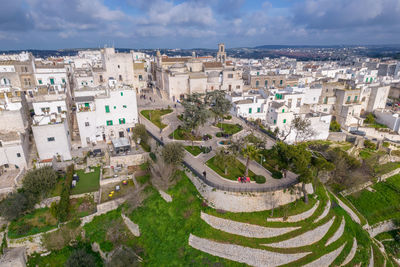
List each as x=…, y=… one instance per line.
x=221, y=54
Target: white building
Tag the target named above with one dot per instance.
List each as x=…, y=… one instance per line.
x=51, y=128
x=14, y=138
x=105, y=114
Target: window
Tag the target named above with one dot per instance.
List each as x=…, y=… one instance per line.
x=115, y=107
x=50, y=139
x=325, y=109
x=124, y=106
x=118, y=66
x=87, y=105
x=325, y=100
x=140, y=77
x=120, y=77
x=122, y=93
x=51, y=80
x=107, y=109
x=122, y=121
x=273, y=82
x=258, y=73
x=40, y=81
x=63, y=80
x=283, y=110
x=87, y=124
x=18, y=155
x=101, y=78
x=284, y=120
x=348, y=98
x=257, y=83
x=281, y=82
x=355, y=99
x=230, y=76
x=274, y=121
x=109, y=123
x=250, y=110
x=266, y=83
x=59, y=109
x=258, y=110
x=237, y=86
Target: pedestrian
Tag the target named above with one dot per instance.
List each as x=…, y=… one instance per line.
x=160, y=130
x=162, y=139
x=175, y=105
x=204, y=174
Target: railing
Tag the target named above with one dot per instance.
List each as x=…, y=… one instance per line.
x=258, y=127
x=229, y=188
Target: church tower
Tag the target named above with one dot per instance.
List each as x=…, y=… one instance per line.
x=221, y=54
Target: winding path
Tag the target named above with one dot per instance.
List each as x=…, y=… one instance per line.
x=327, y=259
x=352, y=253
x=325, y=212
x=244, y=229
x=339, y=232
x=250, y=256
x=297, y=217
x=306, y=238
x=198, y=164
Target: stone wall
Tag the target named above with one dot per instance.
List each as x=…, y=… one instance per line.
x=337, y=136
x=247, y=202
x=114, y=180
x=129, y=160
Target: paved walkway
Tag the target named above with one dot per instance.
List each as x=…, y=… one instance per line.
x=198, y=162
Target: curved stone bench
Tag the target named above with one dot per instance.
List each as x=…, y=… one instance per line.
x=327, y=259
x=244, y=229
x=298, y=217
x=250, y=256
x=339, y=232
x=352, y=253
x=306, y=238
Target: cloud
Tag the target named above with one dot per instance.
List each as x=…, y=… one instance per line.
x=13, y=17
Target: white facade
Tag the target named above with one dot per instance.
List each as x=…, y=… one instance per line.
x=56, y=76
x=102, y=117
x=53, y=140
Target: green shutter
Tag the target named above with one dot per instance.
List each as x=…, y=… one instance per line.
x=107, y=109
x=249, y=110
x=40, y=82
x=266, y=83
x=109, y=122
x=274, y=121
x=124, y=106
x=283, y=110
x=122, y=94
x=257, y=83
x=115, y=107
x=122, y=121
x=51, y=80
x=284, y=121
x=258, y=110
x=281, y=82
x=63, y=80
x=355, y=99
x=87, y=105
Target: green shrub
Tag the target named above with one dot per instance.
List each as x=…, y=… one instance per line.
x=334, y=126
x=219, y=134
x=385, y=144
x=259, y=179
x=227, y=117
x=145, y=146
x=63, y=206
x=369, y=144
x=153, y=156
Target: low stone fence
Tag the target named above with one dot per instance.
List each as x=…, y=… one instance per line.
x=115, y=180
x=381, y=227
x=46, y=203
x=337, y=137
x=360, y=187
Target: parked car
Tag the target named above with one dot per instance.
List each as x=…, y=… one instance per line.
x=96, y=153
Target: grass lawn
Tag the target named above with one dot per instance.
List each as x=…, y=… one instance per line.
x=124, y=190
x=59, y=257
x=376, y=125
x=143, y=179
x=81, y=207
x=154, y=115
x=237, y=169
x=381, y=205
x=58, y=188
x=181, y=134
x=386, y=168
x=229, y=128
x=88, y=182
x=38, y=221
x=196, y=150
x=109, y=231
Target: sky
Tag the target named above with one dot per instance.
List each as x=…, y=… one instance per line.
x=60, y=24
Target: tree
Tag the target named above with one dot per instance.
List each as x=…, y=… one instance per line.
x=195, y=113
x=225, y=158
x=220, y=106
x=80, y=258
x=140, y=132
x=14, y=206
x=124, y=256
x=302, y=128
x=334, y=126
x=39, y=182
x=370, y=119
x=250, y=152
x=173, y=153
